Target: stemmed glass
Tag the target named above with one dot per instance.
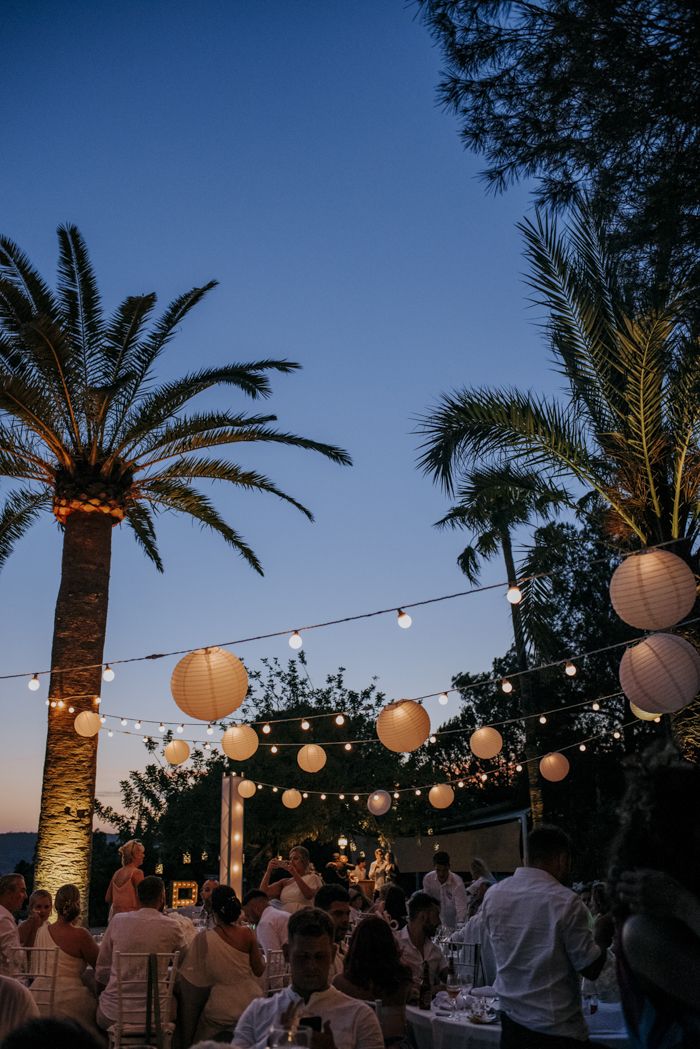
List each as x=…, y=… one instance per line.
x=453, y=986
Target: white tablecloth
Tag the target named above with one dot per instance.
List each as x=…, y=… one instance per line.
x=434, y=1031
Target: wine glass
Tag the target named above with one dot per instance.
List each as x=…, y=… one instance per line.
x=453, y=986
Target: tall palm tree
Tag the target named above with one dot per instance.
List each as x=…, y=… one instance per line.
x=92, y=437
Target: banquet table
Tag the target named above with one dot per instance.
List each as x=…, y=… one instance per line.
x=438, y=1030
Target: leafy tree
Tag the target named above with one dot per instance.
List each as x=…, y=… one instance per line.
x=585, y=96
x=92, y=437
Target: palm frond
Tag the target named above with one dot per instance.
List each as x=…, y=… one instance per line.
x=27, y=403
x=15, y=265
x=173, y=437
x=145, y=353
x=140, y=520
x=19, y=512
x=81, y=308
x=469, y=562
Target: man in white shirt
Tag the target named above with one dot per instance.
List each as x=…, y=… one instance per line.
x=539, y=934
x=17, y=1005
x=448, y=889
x=270, y=922
x=416, y=944
x=13, y=893
x=145, y=931
x=309, y=1001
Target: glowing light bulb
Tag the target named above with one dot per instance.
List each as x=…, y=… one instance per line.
x=71, y=710
x=34, y=683
x=514, y=595
x=617, y=735
x=207, y=746
x=595, y=706
x=483, y=777
x=60, y=704
x=348, y=746
x=433, y=739
x=306, y=725
x=210, y=730
x=570, y=669
x=103, y=720
x=180, y=728
x=340, y=719
x=506, y=686
x=97, y=700
x=305, y=795
x=123, y=722
x=403, y=619
x=582, y=747
x=107, y=673
x=137, y=724
x=110, y=733
x=295, y=640
x=418, y=793
x=161, y=727
x=266, y=729
x=543, y=719
x=323, y=797
x=460, y=783
x=48, y=702
x=274, y=749
x=657, y=721
x=356, y=797
x=341, y=797
x=145, y=739
x=518, y=768
x=53, y=702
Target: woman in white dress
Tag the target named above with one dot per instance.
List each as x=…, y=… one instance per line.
x=299, y=889
x=76, y=950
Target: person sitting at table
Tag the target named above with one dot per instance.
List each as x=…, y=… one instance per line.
x=372, y=967
x=13, y=893
x=335, y=901
x=416, y=943
x=359, y=903
x=39, y=911
x=448, y=889
x=270, y=923
x=391, y=905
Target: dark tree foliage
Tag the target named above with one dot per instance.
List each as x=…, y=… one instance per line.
x=594, y=96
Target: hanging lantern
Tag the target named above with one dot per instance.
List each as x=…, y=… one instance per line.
x=87, y=723
x=661, y=673
x=653, y=590
x=246, y=788
x=643, y=715
x=379, y=802
x=311, y=757
x=441, y=796
x=240, y=742
x=291, y=799
x=209, y=684
x=554, y=767
x=177, y=751
x=486, y=742
x=403, y=726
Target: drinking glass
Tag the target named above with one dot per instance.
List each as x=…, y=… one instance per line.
x=453, y=986
x=288, y=1038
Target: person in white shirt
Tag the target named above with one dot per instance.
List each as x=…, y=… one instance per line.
x=416, y=944
x=448, y=889
x=17, y=1005
x=539, y=934
x=146, y=930
x=270, y=922
x=335, y=901
x=309, y=1001
x=13, y=893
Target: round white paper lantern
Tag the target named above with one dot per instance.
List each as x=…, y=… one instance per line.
x=441, y=796
x=486, y=742
x=643, y=715
x=311, y=757
x=176, y=752
x=653, y=591
x=554, y=767
x=87, y=723
x=240, y=742
x=661, y=673
x=209, y=684
x=291, y=799
x=403, y=726
x=379, y=802
x=246, y=788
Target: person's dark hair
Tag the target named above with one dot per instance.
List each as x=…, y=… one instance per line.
x=419, y=902
x=545, y=843
x=150, y=890
x=310, y=921
x=600, y=898
x=254, y=894
x=373, y=960
x=67, y=902
x=442, y=858
x=358, y=899
x=59, y=1034
x=225, y=904
x=329, y=894
x=395, y=904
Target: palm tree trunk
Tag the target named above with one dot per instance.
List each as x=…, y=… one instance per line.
x=525, y=685
x=64, y=844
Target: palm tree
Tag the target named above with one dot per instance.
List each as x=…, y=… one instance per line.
x=89, y=435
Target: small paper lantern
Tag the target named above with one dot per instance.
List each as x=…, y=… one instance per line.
x=441, y=796
x=291, y=799
x=653, y=590
x=311, y=757
x=554, y=767
x=379, y=802
x=643, y=715
x=486, y=742
x=403, y=726
x=209, y=684
x=240, y=742
x=661, y=673
x=246, y=788
x=87, y=723
x=177, y=751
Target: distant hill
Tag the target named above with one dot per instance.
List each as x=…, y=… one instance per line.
x=14, y=847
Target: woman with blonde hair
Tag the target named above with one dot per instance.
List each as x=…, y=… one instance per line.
x=121, y=893
x=297, y=890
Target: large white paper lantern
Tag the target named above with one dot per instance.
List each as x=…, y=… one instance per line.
x=643, y=715
x=441, y=796
x=554, y=767
x=246, y=788
x=661, y=673
x=311, y=757
x=403, y=726
x=486, y=742
x=291, y=799
x=240, y=742
x=653, y=590
x=87, y=723
x=379, y=802
x=176, y=752
x=209, y=684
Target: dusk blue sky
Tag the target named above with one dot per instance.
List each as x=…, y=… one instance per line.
x=294, y=151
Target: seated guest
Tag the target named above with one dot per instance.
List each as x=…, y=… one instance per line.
x=76, y=950
x=218, y=978
x=391, y=905
x=16, y=1005
x=146, y=930
x=299, y=888
x=39, y=907
x=448, y=889
x=205, y=892
x=372, y=967
x=416, y=944
x=270, y=923
x=13, y=893
x=335, y=901
x=346, y=1023
x=359, y=903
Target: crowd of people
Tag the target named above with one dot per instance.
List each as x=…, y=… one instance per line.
x=341, y=950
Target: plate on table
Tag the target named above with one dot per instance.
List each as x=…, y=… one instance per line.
x=486, y=1017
